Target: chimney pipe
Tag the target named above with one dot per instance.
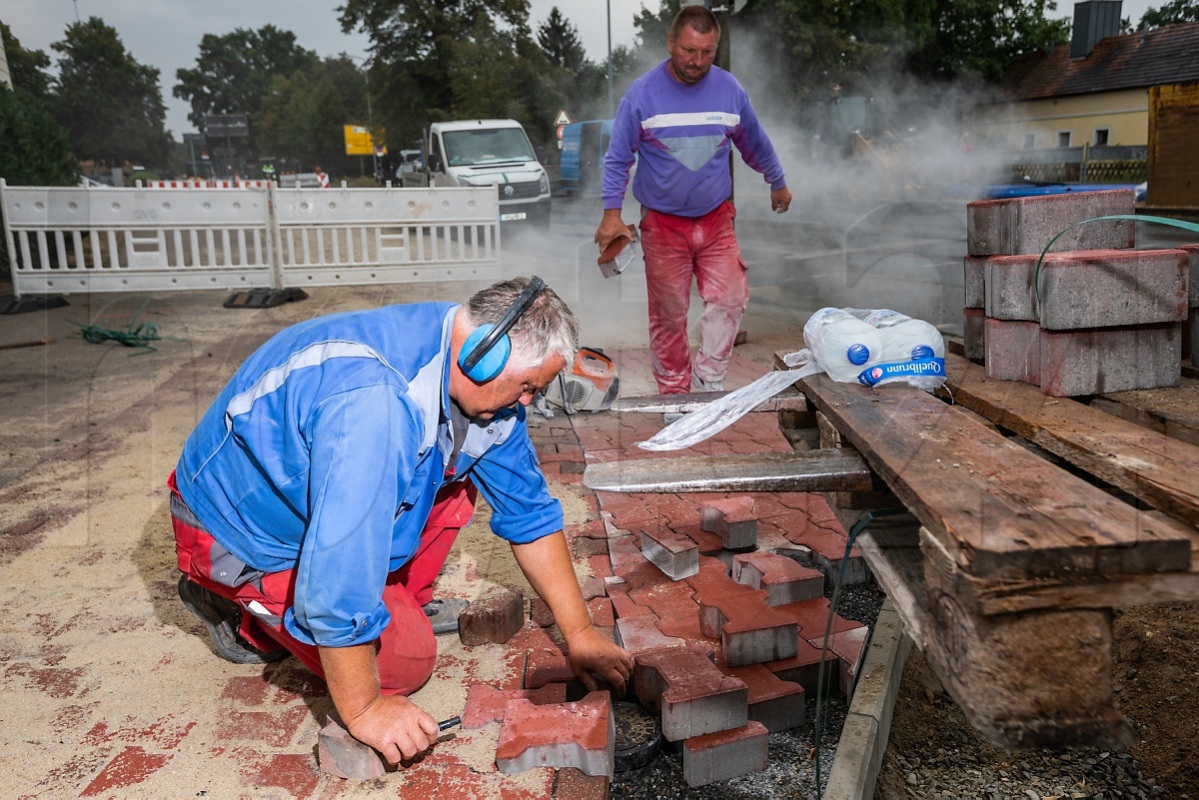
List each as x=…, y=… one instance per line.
x=1094, y=20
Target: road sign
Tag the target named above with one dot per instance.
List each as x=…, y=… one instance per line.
x=358, y=141
x=563, y=118
x=229, y=126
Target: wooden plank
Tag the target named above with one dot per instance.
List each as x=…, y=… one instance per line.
x=999, y=510
x=1173, y=411
x=789, y=400
x=1147, y=464
x=898, y=566
x=806, y=471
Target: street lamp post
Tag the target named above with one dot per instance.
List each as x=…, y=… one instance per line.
x=370, y=117
x=611, y=107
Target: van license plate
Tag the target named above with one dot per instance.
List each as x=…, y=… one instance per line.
x=512, y=217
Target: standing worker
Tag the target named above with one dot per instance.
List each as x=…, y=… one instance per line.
x=322, y=177
x=682, y=117
x=319, y=496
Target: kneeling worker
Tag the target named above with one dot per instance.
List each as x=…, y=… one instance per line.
x=318, y=498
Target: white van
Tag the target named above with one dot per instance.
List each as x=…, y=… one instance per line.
x=490, y=152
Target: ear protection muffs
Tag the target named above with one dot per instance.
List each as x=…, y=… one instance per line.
x=485, y=352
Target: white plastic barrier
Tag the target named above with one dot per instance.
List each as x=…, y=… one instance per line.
x=63, y=240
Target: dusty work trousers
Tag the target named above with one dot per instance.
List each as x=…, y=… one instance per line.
x=405, y=651
x=676, y=248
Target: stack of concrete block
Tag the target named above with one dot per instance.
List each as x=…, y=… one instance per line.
x=1106, y=318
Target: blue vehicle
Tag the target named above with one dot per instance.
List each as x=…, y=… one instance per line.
x=583, y=148
x=1004, y=191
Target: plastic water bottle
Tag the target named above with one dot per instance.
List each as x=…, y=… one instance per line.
x=911, y=350
x=842, y=344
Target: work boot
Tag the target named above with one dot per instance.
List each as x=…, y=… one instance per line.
x=701, y=385
x=443, y=614
x=222, y=617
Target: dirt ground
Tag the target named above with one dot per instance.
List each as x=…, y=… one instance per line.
x=1155, y=664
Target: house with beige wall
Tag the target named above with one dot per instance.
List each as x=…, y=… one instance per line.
x=1104, y=96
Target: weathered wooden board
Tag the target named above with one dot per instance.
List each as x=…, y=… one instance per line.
x=806, y=471
x=1000, y=511
x=1174, y=410
x=1148, y=464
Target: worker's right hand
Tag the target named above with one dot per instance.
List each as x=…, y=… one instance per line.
x=395, y=726
x=609, y=228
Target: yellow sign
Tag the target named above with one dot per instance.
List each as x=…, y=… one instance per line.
x=358, y=141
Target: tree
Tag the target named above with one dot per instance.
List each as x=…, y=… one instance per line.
x=27, y=68
x=233, y=73
x=303, y=114
x=110, y=105
x=1172, y=13
x=560, y=42
x=417, y=46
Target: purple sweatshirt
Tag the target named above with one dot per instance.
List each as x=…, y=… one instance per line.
x=683, y=133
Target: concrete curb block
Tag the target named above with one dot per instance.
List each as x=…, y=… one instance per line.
x=867, y=725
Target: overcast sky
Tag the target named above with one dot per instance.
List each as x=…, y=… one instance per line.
x=166, y=33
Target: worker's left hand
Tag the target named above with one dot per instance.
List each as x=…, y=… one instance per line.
x=780, y=200
x=591, y=652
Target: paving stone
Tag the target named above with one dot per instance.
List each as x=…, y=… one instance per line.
x=733, y=518
x=1089, y=288
x=1022, y=225
x=776, y=703
x=751, y=631
x=641, y=634
x=625, y=551
x=973, y=341
x=1012, y=351
x=540, y=614
x=784, y=580
x=494, y=617
x=691, y=694
x=486, y=704
x=340, y=754
x=726, y=754
x=579, y=734
x=850, y=647
x=804, y=668
x=974, y=270
x=812, y=617
x=674, y=554
x=1104, y=360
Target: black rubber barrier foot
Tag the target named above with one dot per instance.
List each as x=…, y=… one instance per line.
x=264, y=298
x=31, y=302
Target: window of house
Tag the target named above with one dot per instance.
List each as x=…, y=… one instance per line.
x=1030, y=141
x=1063, y=138
x=1101, y=135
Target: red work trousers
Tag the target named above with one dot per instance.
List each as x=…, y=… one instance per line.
x=676, y=248
x=405, y=651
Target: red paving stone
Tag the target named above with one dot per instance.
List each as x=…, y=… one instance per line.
x=578, y=734
x=486, y=704
x=691, y=694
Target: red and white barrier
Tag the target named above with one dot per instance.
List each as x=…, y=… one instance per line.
x=199, y=184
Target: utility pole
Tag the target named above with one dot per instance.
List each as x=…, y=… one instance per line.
x=611, y=101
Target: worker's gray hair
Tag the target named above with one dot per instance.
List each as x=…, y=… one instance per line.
x=698, y=17
x=547, y=327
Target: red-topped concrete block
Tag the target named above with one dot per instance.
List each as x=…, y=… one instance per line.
x=974, y=270
x=973, y=336
x=579, y=734
x=641, y=634
x=850, y=647
x=812, y=617
x=1012, y=351
x=494, y=617
x=751, y=631
x=691, y=694
x=1020, y=225
x=776, y=703
x=726, y=754
x=624, y=551
x=784, y=580
x=804, y=668
x=1089, y=288
x=734, y=519
x=674, y=554
x=1104, y=360
x=486, y=704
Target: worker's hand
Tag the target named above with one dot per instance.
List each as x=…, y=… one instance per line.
x=780, y=200
x=610, y=227
x=395, y=726
x=590, y=652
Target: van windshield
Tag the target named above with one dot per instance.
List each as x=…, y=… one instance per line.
x=486, y=146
